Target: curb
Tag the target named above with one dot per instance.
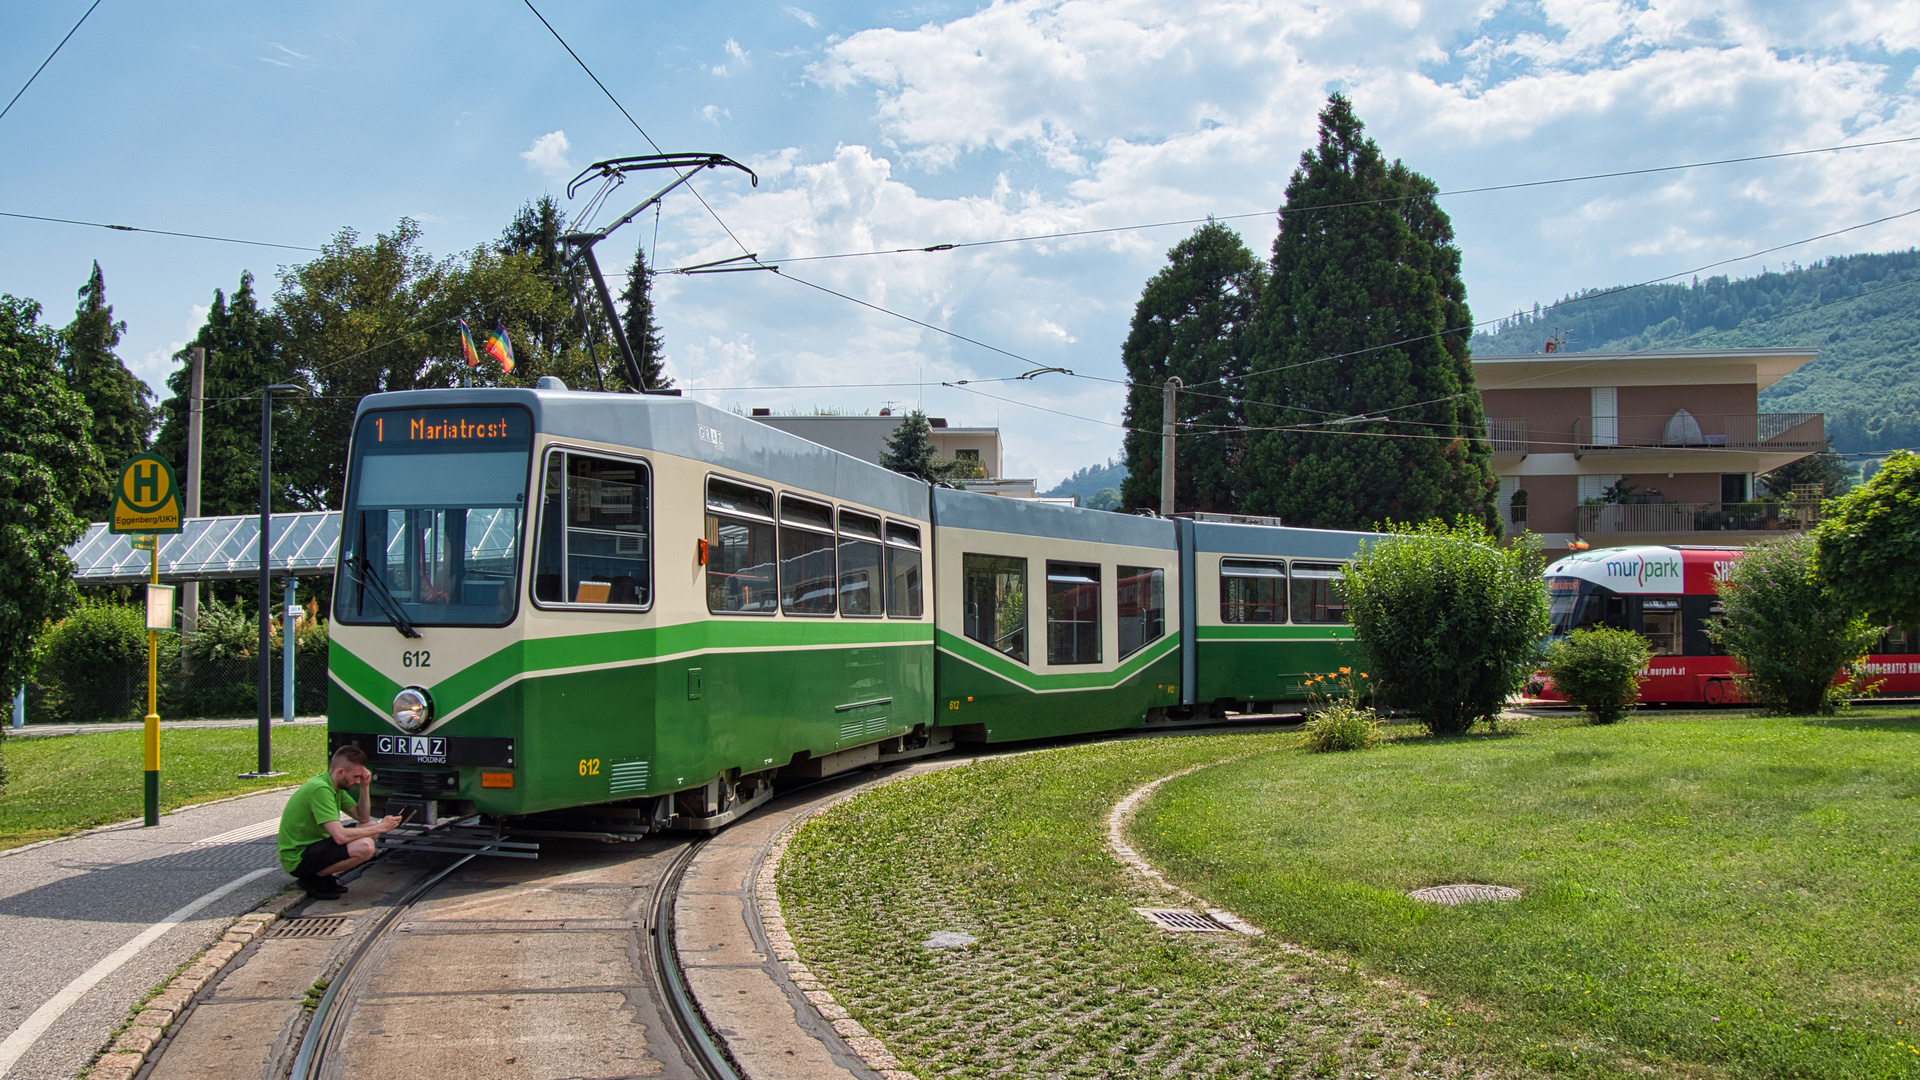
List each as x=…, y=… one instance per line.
x=870, y=1050
x=136, y=821
x=149, y=1022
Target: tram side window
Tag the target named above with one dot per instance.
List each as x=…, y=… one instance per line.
x=903, y=571
x=594, y=544
x=741, y=552
x=860, y=556
x=1142, y=592
x=807, y=578
x=1252, y=591
x=1317, y=597
x=1899, y=641
x=1660, y=624
x=1073, y=613
x=993, y=591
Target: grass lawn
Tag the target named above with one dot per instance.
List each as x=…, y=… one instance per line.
x=1708, y=895
x=1063, y=979
x=58, y=784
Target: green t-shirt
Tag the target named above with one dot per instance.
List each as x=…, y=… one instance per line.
x=306, y=816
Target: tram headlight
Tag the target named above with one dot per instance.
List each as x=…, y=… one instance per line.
x=412, y=709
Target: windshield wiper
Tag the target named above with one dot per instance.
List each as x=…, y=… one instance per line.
x=381, y=593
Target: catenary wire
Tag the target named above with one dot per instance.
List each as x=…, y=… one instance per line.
x=1068, y=234
x=636, y=124
x=48, y=60
x=157, y=232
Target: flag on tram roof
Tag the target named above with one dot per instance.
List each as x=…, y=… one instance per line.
x=466, y=345
x=500, y=347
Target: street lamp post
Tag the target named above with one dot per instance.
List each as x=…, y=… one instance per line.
x=264, y=766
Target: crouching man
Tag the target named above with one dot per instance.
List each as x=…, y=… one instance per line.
x=315, y=847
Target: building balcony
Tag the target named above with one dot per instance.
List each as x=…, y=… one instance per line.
x=1790, y=433
x=1508, y=436
x=1597, y=520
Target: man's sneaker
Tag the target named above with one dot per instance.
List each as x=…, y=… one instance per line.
x=322, y=888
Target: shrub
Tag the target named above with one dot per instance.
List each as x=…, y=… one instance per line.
x=224, y=632
x=1446, y=620
x=1790, y=631
x=1599, y=670
x=93, y=663
x=1337, y=717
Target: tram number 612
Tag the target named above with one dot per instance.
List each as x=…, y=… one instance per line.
x=590, y=766
x=416, y=658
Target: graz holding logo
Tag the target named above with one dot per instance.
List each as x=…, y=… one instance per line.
x=421, y=748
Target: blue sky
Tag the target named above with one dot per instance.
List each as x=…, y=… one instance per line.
x=880, y=127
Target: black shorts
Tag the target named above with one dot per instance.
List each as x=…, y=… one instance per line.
x=319, y=855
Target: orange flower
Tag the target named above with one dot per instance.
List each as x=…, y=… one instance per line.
x=1346, y=671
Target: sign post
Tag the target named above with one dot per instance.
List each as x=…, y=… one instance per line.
x=146, y=503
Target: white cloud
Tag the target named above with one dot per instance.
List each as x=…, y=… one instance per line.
x=713, y=114
x=548, y=155
x=803, y=15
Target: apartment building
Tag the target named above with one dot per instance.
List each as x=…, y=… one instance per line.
x=1644, y=448
x=865, y=437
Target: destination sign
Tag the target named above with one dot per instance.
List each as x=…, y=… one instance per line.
x=465, y=428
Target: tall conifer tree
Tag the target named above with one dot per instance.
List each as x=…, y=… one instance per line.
x=1193, y=321
x=119, y=402
x=1362, y=350
x=241, y=358
x=643, y=334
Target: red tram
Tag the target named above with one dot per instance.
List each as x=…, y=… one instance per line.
x=1666, y=595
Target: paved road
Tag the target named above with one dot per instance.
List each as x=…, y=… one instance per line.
x=41, y=731
x=66, y=906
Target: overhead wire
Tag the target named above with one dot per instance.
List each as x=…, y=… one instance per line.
x=157, y=232
x=48, y=60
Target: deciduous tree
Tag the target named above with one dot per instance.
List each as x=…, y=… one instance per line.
x=1361, y=356
x=1869, y=544
x=1193, y=322
x=47, y=462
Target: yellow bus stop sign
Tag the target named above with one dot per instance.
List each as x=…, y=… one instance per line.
x=146, y=500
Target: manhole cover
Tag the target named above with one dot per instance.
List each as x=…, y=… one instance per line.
x=327, y=926
x=1182, y=921
x=1464, y=894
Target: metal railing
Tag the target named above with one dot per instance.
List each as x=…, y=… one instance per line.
x=1508, y=436
x=1697, y=517
x=1711, y=431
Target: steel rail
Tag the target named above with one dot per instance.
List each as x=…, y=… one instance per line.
x=325, y=1026
x=706, y=1053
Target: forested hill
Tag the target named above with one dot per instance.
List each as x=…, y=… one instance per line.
x=1866, y=378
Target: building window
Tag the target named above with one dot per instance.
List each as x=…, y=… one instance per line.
x=1593, y=489
x=594, y=546
x=741, y=555
x=967, y=455
x=1073, y=613
x=993, y=591
x=903, y=571
x=1606, y=416
x=807, y=579
x=1735, y=487
x=1142, y=592
x=1317, y=597
x=861, y=592
x=1252, y=591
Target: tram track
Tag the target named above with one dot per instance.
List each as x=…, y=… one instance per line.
x=321, y=1051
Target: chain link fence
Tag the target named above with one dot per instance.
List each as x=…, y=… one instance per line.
x=216, y=688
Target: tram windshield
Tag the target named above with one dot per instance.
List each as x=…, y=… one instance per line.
x=435, y=501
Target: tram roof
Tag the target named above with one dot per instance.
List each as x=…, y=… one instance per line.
x=1029, y=517
x=727, y=441
x=1228, y=538
x=212, y=549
